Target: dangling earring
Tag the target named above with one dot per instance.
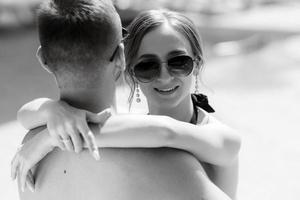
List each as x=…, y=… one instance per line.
x=196, y=84
x=137, y=95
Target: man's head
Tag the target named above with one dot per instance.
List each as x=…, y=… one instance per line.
x=77, y=40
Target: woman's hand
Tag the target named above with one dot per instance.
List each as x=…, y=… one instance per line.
x=28, y=155
x=69, y=126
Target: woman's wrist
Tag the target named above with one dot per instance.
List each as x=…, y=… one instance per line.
x=51, y=108
x=47, y=109
x=166, y=125
x=174, y=130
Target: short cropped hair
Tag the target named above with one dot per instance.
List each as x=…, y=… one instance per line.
x=77, y=33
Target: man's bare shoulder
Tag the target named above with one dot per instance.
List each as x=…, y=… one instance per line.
x=30, y=134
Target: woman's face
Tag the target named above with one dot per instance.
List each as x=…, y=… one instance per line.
x=162, y=44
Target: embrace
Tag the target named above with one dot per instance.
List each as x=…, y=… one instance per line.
x=79, y=147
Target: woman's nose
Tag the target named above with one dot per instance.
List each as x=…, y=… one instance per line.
x=164, y=75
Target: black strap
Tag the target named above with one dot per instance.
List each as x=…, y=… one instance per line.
x=200, y=100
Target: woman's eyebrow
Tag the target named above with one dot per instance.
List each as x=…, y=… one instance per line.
x=147, y=56
x=177, y=52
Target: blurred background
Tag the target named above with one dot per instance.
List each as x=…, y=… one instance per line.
x=251, y=76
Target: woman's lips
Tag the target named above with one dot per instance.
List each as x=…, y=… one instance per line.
x=166, y=91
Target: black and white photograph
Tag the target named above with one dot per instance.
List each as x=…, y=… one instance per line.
x=152, y=100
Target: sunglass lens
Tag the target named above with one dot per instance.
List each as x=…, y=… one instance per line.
x=146, y=71
x=181, y=65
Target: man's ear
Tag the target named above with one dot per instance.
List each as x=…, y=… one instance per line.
x=120, y=57
x=42, y=60
x=120, y=62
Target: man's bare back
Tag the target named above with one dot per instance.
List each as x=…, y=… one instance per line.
x=123, y=174
x=120, y=174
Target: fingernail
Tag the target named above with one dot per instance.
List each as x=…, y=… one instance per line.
x=96, y=155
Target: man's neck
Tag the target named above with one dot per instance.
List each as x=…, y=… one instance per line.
x=94, y=100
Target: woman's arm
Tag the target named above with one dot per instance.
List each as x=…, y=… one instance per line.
x=226, y=178
x=214, y=143
x=36, y=145
x=33, y=114
x=66, y=124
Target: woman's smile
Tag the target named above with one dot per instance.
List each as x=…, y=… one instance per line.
x=166, y=90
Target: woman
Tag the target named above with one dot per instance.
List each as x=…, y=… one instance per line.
x=163, y=52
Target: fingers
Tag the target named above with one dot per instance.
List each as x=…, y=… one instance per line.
x=14, y=167
x=30, y=181
x=90, y=140
x=99, y=117
x=22, y=175
x=57, y=138
x=26, y=176
x=76, y=140
x=67, y=131
x=65, y=138
x=68, y=143
x=59, y=143
x=88, y=135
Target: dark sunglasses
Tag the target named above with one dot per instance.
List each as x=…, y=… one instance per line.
x=124, y=36
x=148, y=70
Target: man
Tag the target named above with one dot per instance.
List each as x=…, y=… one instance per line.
x=81, y=46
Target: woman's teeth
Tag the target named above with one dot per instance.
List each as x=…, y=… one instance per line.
x=167, y=89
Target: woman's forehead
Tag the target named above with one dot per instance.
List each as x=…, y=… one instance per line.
x=163, y=40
